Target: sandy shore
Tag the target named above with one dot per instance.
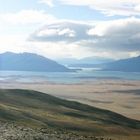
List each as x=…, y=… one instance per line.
x=122, y=96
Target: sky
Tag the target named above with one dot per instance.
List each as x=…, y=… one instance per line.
x=71, y=28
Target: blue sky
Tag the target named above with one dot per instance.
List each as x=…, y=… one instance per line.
x=71, y=28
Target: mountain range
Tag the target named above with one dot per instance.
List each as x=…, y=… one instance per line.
x=125, y=65
x=29, y=62
x=33, y=62
x=83, y=61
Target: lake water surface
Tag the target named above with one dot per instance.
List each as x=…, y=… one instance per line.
x=65, y=77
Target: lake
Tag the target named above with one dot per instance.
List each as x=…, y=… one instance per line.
x=65, y=77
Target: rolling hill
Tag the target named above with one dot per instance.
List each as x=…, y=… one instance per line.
x=29, y=62
x=36, y=109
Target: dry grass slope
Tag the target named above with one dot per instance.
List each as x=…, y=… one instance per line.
x=38, y=110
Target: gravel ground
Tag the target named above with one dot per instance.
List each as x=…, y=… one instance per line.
x=14, y=132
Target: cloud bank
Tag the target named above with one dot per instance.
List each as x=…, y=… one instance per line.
x=65, y=31
x=117, y=36
x=57, y=37
x=48, y=2
x=26, y=17
x=109, y=7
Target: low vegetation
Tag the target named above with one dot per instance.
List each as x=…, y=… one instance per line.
x=37, y=110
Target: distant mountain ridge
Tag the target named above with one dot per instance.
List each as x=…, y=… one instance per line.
x=33, y=62
x=29, y=62
x=126, y=65
x=87, y=61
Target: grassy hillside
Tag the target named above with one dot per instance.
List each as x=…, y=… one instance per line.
x=36, y=109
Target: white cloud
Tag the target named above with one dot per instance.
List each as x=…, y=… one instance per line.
x=113, y=27
x=137, y=8
x=13, y=43
x=57, y=32
x=63, y=38
x=68, y=31
x=26, y=17
x=48, y=49
x=109, y=7
x=48, y=2
x=48, y=32
x=121, y=35
x=107, y=38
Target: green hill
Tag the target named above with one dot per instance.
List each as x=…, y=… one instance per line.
x=36, y=109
